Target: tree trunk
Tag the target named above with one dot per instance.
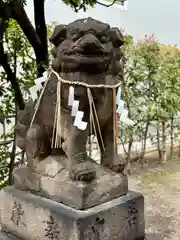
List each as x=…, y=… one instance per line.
x=11, y=78
x=38, y=40
x=40, y=50
x=172, y=135
x=128, y=167
x=158, y=142
x=144, y=144
x=123, y=145
x=41, y=31
x=164, y=138
x=13, y=156
x=4, y=129
x=13, y=152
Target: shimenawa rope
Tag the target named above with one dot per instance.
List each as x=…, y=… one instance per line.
x=56, y=139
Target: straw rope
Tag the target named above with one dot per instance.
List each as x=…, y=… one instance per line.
x=83, y=83
x=56, y=139
x=92, y=121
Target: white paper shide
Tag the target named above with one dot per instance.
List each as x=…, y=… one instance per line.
x=78, y=122
x=121, y=110
x=38, y=85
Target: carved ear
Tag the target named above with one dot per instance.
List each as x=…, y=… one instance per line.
x=58, y=35
x=116, y=37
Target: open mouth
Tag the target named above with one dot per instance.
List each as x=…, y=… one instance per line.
x=87, y=58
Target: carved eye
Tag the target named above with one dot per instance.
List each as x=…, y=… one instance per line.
x=77, y=34
x=103, y=39
x=74, y=37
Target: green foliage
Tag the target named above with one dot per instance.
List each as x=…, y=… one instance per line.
x=4, y=165
x=22, y=61
x=151, y=88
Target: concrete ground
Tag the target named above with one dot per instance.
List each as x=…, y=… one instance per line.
x=160, y=185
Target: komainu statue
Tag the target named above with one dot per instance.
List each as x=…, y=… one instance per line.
x=63, y=193
x=87, y=58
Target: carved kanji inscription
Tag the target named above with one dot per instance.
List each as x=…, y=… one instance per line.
x=17, y=214
x=132, y=212
x=52, y=230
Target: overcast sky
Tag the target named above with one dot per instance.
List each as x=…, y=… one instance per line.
x=161, y=17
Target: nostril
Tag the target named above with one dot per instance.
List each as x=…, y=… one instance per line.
x=93, y=48
x=89, y=42
x=88, y=49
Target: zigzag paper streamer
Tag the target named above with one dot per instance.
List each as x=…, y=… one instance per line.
x=74, y=111
x=71, y=96
x=120, y=109
x=78, y=121
x=118, y=96
x=124, y=118
x=120, y=103
x=38, y=85
x=33, y=92
x=75, y=107
x=129, y=122
x=39, y=82
x=45, y=75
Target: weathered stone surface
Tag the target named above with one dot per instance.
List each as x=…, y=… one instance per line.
x=154, y=236
x=87, y=56
x=31, y=217
x=4, y=236
x=51, y=180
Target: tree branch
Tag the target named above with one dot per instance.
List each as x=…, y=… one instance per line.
x=13, y=155
x=16, y=11
x=11, y=77
x=19, y=14
x=41, y=31
x=76, y=7
x=5, y=64
x=106, y=5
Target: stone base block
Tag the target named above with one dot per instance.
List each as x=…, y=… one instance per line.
x=31, y=217
x=51, y=179
x=4, y=236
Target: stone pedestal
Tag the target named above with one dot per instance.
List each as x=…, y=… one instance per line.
x=31, y=217
x=51, y=179
x=4, y=236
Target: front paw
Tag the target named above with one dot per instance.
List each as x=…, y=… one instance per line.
x=83, y=171
x=115, y=163
x=119, y=168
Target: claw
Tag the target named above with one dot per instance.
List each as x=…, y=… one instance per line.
x=117, y=165
x=117, y=168
x=82, y=171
